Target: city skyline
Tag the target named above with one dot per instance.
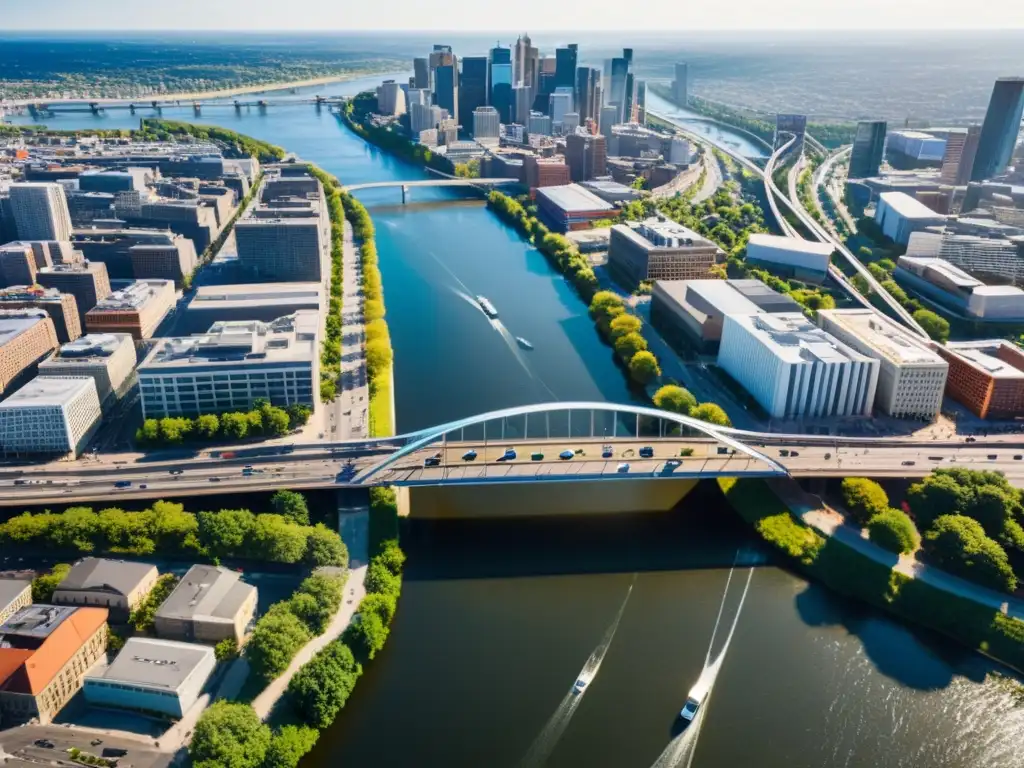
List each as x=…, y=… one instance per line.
x=407, y=15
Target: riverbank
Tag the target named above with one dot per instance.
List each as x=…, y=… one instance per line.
x=852, y=573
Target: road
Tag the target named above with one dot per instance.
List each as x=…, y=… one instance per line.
x=348, y=413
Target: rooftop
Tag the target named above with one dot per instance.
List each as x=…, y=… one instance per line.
x=954, y=275
x=162, y=664
x=15, y=322
x=52, y=641
x=662, y=233
x=790, y=244
x=49, y=391
x=794, y=339
x=262, y=294
x=886, y=338
x=135, y=296
x=909, y=207
x=983, y=355
x=35, y=621
x=206, y=592
x=10, y=589
x=94, y=345
x=97, y=574
x=716, y=293
x=573, y=197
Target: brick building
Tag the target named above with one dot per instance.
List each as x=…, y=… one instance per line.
x=986, y=377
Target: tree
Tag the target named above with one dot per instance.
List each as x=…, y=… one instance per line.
x=174, y=430
x=863, y=498
x=275, y=422
x=624, y=325
x=643, y=367
x=43, y=585
x=959, y=544
x=894, y=530
x=378, y=356
x=289, y=745
x=380, y=580
x=226, y=649
x=675, y=399
x=384, y=606
x=627, y=346
x=226, y=533
x=366, y=635
x=277, y=540
x=207, y=426
x=391, y=557
x=298, y=415
x=149, y=432
x=317, y=600
x=234, y=426
x=711, y=413
x=325, y=547
x=936, y=327
x=291, y=506
x=605, y=306
x=935, y=496
x=229, y=735
x=319, y=690
x=278, y=636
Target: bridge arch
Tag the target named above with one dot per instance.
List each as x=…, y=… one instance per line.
x=415, y=441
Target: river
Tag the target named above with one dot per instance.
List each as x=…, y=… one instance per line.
x=499, y=617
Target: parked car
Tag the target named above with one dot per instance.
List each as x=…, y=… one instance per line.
x=469, y=455
x=432, y=461
x=536, y=456
x=566, y=455
x=44, y=743
x=607, y=452
x=123, y=484
x=623, y=467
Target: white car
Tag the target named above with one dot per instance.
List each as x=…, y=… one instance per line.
x=689, y=710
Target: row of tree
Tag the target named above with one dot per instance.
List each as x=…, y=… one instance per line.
x=235, y=144
x=969, y=518
x=330, y=353
x=623, y=331
x=168, y=529
x=355, y=114
x=264, y=420
x=676, y=399
x=378, y=350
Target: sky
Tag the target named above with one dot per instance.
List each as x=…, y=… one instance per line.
x=480, y=15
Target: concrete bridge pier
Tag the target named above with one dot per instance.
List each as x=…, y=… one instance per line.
x=95, y=108
x=197, y=109
x=131, y=108
x=405, y=193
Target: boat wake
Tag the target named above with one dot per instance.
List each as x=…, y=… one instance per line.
x=553, y=729
x=682, y=748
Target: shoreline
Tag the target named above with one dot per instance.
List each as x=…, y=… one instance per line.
x=204, y=95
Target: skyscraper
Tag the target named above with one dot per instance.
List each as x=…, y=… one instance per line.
x=586, y=92
x=473, y=85
x=446, y=89
x=680, y=85
x=522, y=103
x=868, y=149
x=641, y=101
x=527, y=63
x=1000, y=129
x=561, y=104
x=958, y=160
x=501, y=82
x=565, y=66
x=40, y=211
x=617, y=92
x=586, y=156
x=629, y=101
x=421, y=73
x=486, y=125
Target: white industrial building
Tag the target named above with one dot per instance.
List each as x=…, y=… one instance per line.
x=790, y=256
x=917, y=145
x=911, y=377
x=50, y=415
x=1001, y=257
x=232, y=365
x=899, y=215
x=390, y=98
x=109, y=358
x=794, y=369
x=150, y=675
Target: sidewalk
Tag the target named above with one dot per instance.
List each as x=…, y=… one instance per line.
x=828, y=522
x=350, y=411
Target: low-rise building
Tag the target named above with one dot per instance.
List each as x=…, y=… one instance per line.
x=15, y=594
x=955, y=290
x=109, y=358
x=17, y=264
x=899, y=215
x=1001, y=257
x=61, y=308
x=986, y=377
x=50, y=415
x=659, y=249
x=120, y=586
x=232, y=365
x=249, y=301
x=27, y=337
x=790, y=256
x=796, y=370
x=209, y=604
x=45, y=651
x=545, y=171
x=88, y=283
x=150, y=675
x=911, y=377
x=136, y=310
x=689, y=314
x=571, y=207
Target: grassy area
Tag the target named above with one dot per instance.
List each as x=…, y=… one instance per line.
x=383, y=518
x=382, y=420
x=850, y=573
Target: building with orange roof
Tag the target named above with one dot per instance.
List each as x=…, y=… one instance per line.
x=45, y=651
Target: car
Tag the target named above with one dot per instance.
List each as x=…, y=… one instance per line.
x=607, y=452
x=214, y=479
x=247, y=472
x=647, y=452
x=623, y=467
x=44, y=743
x=536, y=456
x=432, y=461
x=566, y=455
x=793, y=454
x=784, y=452
x=689, y=710
x=469, y=455
x=176, y=471
x=934, y=458
x=95, y=742
x=143, y=486
x=114, y=752
x=993, y=456
x=508, y=455
x=20, y=482
x=1017, y=457
x=971, y=440
x=123, y=484
x=828, y=456
x=908, y=463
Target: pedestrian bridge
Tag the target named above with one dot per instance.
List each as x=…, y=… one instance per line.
x=444, y=182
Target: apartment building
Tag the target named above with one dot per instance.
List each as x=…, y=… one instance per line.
x=61, y=308
x=27, y=336
x=50, y=415
x=89, y=283
x=109, y=358
x=136, y=310
x=659, y=249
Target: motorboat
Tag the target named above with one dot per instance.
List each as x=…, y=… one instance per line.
x=523, y=343
x=580, y=685
x=487, y=307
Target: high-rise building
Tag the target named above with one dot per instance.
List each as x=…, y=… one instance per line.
x=423, y=117
x=539, y=125
x=390, y=98
x=640, y=98
x=40, y=211
x=527, y=63
x=559, y=105
x=501, y=82
x=565, y=66
x=418, y=96
x=522, y=103
x=998, y=133
x=958, y=159
x=88, y=283
x=680, y=85
x=421, y=77
x=616, y=97
x=609, y=117
x=486, y=125
x=17, y=264
x=586, y=156
x=473, y=86
x=629, y=104
x=587, y=80
x=868, y=149
x=446, y=89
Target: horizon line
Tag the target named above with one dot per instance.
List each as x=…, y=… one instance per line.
x=662, y=31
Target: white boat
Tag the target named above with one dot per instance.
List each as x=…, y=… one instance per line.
x=695, y=698
x=486, y=306
x=523, y=343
